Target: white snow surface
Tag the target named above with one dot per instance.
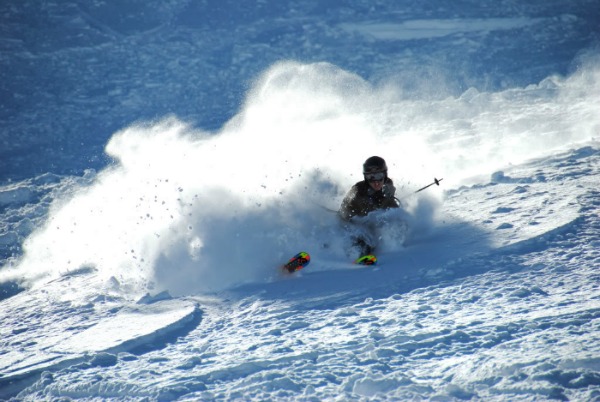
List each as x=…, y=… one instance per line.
x=498, y=300
x=490, y=293
x=158, y=277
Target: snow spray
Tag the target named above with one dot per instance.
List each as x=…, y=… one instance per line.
x=190, y=211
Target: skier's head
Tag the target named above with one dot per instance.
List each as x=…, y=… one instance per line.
x=374, y=165
x=375, y=171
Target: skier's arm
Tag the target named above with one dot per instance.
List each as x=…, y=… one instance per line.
x=348, y=208
x=389, y=193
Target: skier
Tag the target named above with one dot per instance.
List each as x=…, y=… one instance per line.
x=375, y=192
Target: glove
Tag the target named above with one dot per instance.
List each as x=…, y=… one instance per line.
x=389, y=191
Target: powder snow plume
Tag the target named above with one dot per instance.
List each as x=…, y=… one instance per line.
x=190, y=211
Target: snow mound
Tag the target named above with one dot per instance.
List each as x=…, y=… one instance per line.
x=72, y=324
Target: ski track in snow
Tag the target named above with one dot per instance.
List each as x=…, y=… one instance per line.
x=511, y=313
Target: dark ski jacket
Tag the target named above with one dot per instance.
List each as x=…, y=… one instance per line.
x=362, y=199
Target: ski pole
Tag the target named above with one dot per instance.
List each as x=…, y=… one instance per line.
x=435, y=181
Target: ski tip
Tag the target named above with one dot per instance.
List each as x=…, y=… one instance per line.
x=368, y=259
x=297, y=262
x=302, y=255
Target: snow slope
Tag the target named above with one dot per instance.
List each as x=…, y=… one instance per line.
x=502, y=305
x=61, y=329
x=159, y=161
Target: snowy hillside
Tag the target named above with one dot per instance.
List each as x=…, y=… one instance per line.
x=160, y=162
x=498, y=300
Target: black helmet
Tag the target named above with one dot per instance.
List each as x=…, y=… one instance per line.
x=374, y=164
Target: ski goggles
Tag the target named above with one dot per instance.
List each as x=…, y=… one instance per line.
x=377, y=176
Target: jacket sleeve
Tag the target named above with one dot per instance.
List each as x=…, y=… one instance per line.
x=389, y=194
x=389, y=191
x=348, y=208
